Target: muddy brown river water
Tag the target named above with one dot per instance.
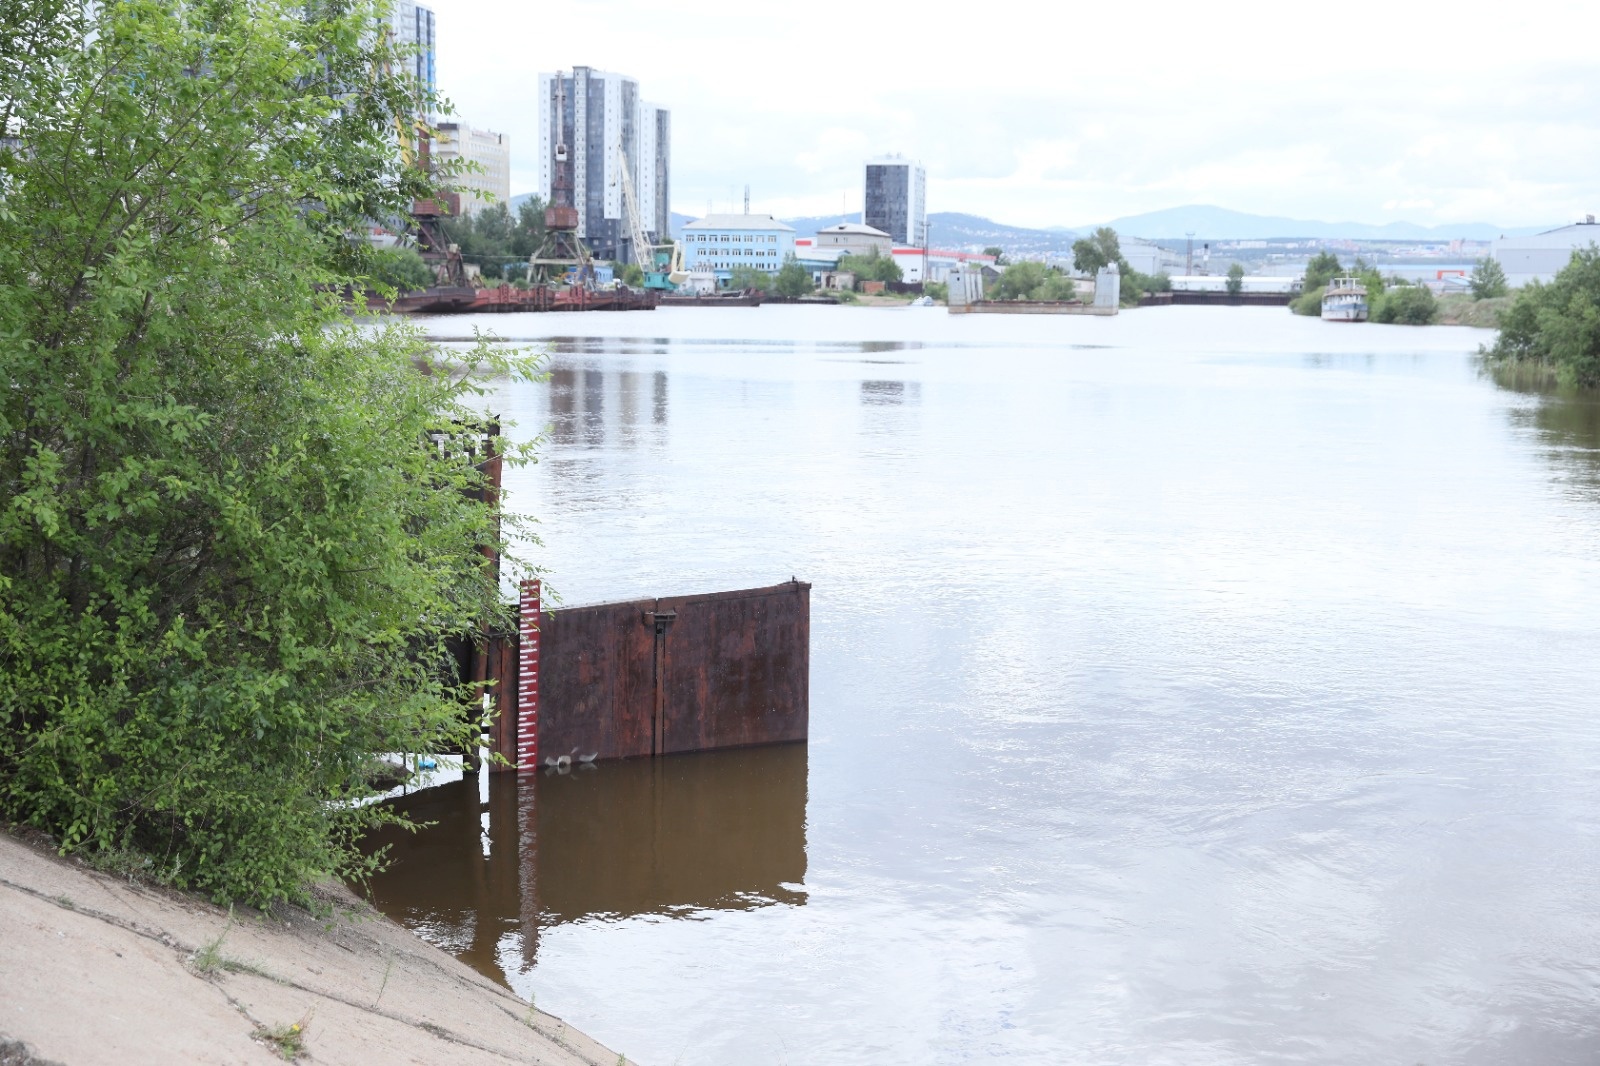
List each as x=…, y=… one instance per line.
x=1198, y=686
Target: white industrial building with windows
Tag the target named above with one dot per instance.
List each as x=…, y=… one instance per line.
x=718, y=243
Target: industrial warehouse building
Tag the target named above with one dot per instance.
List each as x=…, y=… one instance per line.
x=1539, y=257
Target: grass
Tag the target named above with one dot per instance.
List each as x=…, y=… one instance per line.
x=209, y=959
x=287, y=1040
x=1460, y=309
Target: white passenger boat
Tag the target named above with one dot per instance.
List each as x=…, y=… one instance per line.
x=1345, y=301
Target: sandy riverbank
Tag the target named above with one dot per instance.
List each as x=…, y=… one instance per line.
x=96, y=969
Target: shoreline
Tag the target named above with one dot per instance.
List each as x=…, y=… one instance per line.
x=100, y=968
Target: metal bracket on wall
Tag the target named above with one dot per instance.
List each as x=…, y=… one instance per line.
x=662, y=621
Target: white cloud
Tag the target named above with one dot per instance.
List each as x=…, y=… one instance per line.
x=1047, y=113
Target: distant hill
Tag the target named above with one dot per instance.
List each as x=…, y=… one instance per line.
x=1219, y=223
x=952, y=229
x=948, y=229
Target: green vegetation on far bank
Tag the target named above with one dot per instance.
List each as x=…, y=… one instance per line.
x=235, y=542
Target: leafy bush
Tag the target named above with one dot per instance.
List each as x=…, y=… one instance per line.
x=1136, y=284
x=1309, y=302
x=1406, y=305
x=1019, y=280
x=744, y=277
x=400, y=269
x=231, y=557
x=1557, y=325
x=1235, y=279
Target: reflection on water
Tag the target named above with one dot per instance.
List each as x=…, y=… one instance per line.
x=890, y=393
x=674, y=836
x=1566, y=421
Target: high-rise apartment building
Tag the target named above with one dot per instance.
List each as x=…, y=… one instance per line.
x=490, y=151
x=602, y=119
x=896, y=200
x=413, y=27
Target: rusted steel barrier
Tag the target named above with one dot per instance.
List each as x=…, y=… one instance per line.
x=658, y=676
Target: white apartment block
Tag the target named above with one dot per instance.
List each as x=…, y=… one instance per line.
x=491, y=181
x=604, y=117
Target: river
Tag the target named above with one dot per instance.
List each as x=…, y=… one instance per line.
x=1195, y=686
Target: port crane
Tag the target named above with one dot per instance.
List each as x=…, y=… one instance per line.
x=662, y=264
x=565, y=247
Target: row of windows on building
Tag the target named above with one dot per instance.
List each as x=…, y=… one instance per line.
x=746, y=251
x=721, y=265
x=747, y=238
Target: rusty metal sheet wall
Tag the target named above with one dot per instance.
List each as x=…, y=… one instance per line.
x=597, y=680
x=683, y=673
x=737, y=668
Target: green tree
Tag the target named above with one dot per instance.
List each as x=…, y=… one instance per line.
x=1019, y=280
x=1321, y=269
x=1235, y=279
x=1488, y=279
x=236, y=535
x=998, y=253
x=1557, y=325
x=1406, y=305
x=871, y=267
x=1100, y=249
x=749, y=277
x=632, y=275
x=794, y=279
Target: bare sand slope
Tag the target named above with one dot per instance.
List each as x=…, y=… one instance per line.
x=94, y=969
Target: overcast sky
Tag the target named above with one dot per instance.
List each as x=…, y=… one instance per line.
x=1068, y=113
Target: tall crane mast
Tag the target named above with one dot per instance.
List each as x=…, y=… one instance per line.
x=644, y=253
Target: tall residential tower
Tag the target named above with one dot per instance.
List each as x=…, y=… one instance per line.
x=896, y=200
x=413, y=26
x=605, y=119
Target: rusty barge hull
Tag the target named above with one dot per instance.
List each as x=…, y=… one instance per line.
x=461, y=300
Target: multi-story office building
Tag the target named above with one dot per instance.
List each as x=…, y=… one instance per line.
x=603, y=119
x=718, y=243
x=490, y=151
x=896, y=200
x=413, y=28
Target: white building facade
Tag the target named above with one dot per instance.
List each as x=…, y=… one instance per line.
x=855, y=238
x=1541, y=256
x=718, y=243
x=491, y=184
x=604, y=119
x=895, y=199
